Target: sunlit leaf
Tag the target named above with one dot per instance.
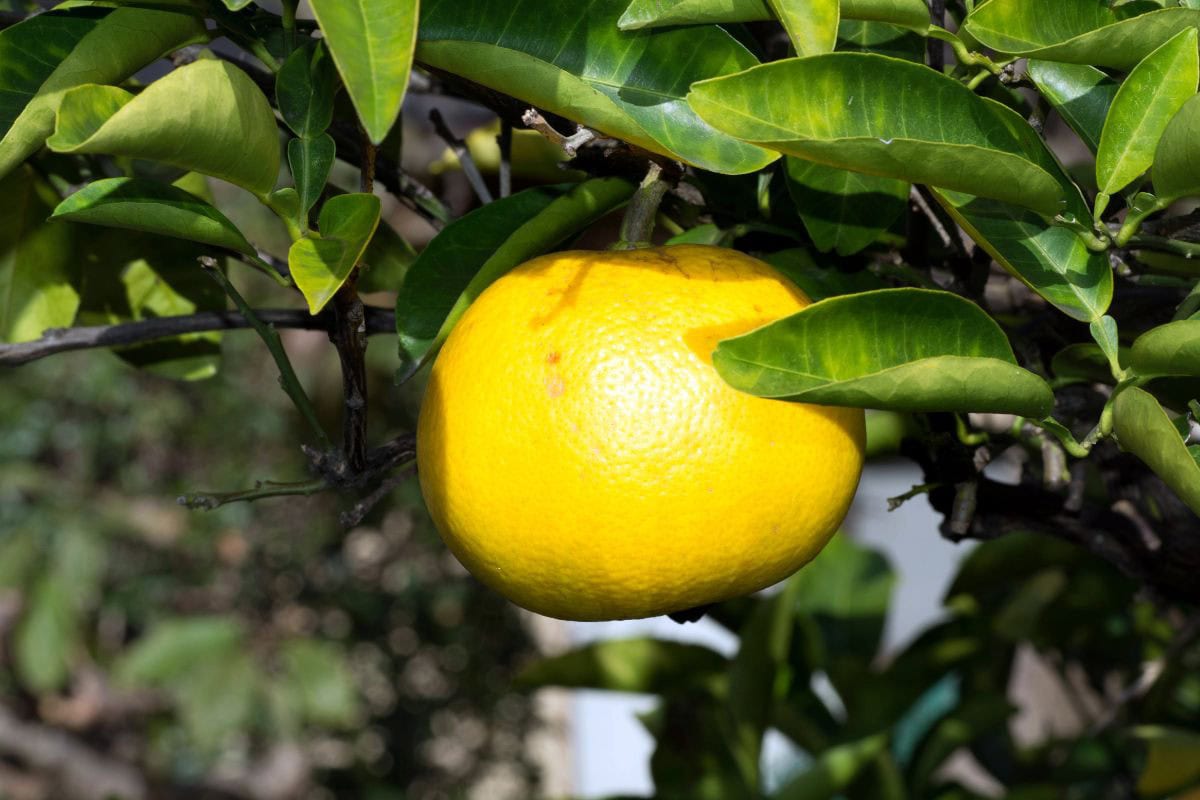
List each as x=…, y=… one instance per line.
x=1081, y=94
x=207, y=116
x=1147, y=100
x=372, y=43
x=1176, y=169
x=655, y=13
x=1144, y=429
x=571, y=59
x=880, y=122
x=899, y=349
x=321, y=263
x=1078, y=32
x=153, y=207
x=81, y=45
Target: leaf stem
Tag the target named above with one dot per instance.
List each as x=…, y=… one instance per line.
x=1143, y=205
x=637, y=227
x=288, y=9
x=270, y=336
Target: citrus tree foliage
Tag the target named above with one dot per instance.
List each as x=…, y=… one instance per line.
x=990, y=205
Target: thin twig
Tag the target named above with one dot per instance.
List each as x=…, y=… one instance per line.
x=465, y=159
x=505, y=141
x=270, y=336
x=64, y=340
x=569, y=144
x=262, y=489
x=935, y=222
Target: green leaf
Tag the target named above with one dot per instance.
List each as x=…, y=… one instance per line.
x=372, y=44
x=898, y=349
x=821, y=282
x=47, y=636
x=386, y=261
x=472, y=252
x=846, y=580
x=1171, y=349
x=1152, y=94
x=1104, y=332
x=310, y=161
x=626, y=665
x=320, y=263
x=1172, y=760
x=843, y=210
x=175, y=646
x=655, y=13
x=834, y=770
x=37, y=276
x=218, y=699
x=304, y=90
x=1081, y=95
x=76, y=46
x=1078, y=32
x=571, y=59
x=133, y=276
x=1083, y=362
x=1144, y=429
x=760, y=677
x=881, y=121
x=1052, y=260
x=322, y=678
x=882, y=38
x=153, y=207
x=812, y=25
x=1176, y=169
x=207, y=116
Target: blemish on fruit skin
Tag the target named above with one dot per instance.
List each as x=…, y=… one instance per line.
x=555, y=386
x=553, y=357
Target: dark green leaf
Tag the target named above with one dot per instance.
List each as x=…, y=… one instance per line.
x=1171, y=349
x=304, y=90
x=1079, y=93
x=655, y=13
x=843, y=210
x=880, y=123
x=471, y=253
x=207, y=116
x=372, y=44
x=153, y=207
x=1082, y=362
x=626, y=665
x=1147, y=100
x=881, y=38
x=1176, y=169
x=386, y=261
x=47, y=636
x=1051, y=260
x=323, y=680
x=37, y=281
x=1144, y=429
x=819, y=282
x=571, y=59
x=310, y=161
x=900, y=349
x=73, y=47
x=321, y=263
x=131, y=276
x=1078, y=32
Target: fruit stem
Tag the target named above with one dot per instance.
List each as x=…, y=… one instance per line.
x=637, y=227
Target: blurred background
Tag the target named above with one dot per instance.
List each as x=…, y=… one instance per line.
x=260, y=651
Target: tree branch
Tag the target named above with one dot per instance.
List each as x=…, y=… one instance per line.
x=63, y=340
x=465, y=159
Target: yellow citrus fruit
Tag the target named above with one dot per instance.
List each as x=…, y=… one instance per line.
x=580, y=454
